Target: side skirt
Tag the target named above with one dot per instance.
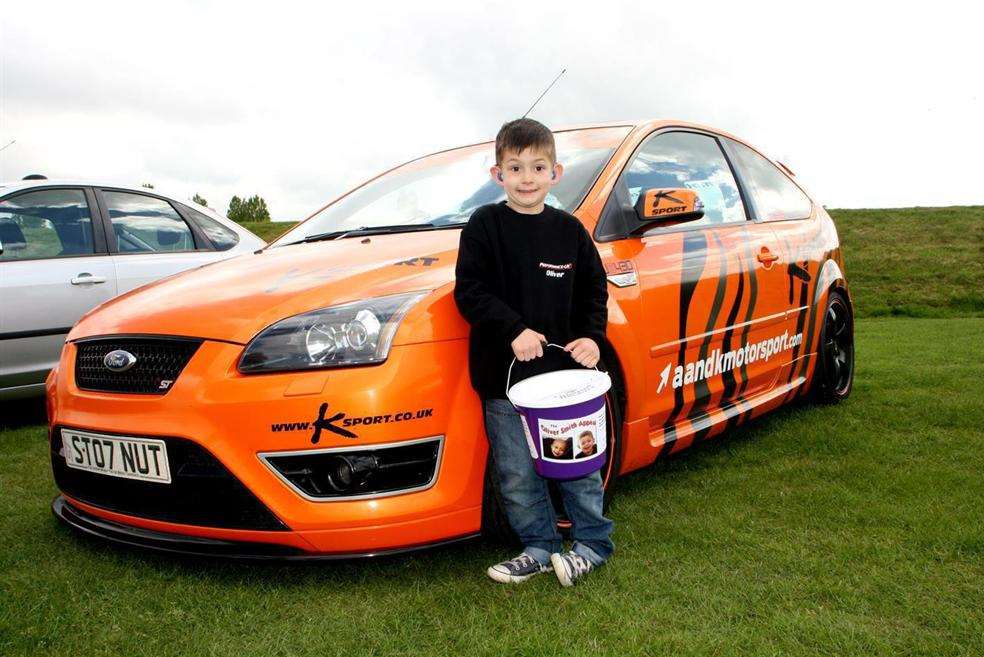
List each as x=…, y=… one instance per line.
x=714, y=421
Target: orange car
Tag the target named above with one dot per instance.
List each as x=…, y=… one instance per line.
x=313, y=400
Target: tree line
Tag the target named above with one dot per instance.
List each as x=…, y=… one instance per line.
x=249, y=210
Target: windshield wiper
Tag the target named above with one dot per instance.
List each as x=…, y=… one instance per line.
x=368, y=230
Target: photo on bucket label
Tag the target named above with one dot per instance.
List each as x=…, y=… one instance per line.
x=586, y=445
x=558, y=448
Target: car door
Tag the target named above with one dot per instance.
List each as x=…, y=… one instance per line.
x=148, y=238
x=708, y=290
x=54, y=267
x=780, y=206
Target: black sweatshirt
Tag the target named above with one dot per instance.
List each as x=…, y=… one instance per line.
x=517, y=271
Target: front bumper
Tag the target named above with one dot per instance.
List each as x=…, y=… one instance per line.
x=239, y=419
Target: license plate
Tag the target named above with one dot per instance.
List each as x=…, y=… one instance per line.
x=116, y=456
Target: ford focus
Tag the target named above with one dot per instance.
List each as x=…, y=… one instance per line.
x=312, y=399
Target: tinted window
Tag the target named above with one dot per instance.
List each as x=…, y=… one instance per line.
x=146, y=224
x=223, y=238
x=774, y=195
x=686, y=159
x=45, y=224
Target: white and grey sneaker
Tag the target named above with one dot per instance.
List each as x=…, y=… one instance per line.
x=517, y=570
x=570, y=566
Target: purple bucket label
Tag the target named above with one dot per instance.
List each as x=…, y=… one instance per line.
x=578, y=438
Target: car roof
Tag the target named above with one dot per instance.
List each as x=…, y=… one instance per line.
x=640, y=125
x=17, y=185
x=648, y=125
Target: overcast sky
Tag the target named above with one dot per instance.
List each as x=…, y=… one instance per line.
x=871, y=107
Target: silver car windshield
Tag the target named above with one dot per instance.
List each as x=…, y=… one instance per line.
x=445, y=188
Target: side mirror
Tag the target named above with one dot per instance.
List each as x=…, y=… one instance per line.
x=667, y=206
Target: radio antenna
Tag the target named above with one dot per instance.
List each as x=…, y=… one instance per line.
x=544, y=93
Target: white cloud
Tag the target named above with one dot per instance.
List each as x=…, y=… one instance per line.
x=298, y=102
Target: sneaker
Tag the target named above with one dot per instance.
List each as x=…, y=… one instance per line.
x=517, y=570
x=570, y=566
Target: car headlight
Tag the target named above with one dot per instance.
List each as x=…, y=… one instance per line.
x=355, y=333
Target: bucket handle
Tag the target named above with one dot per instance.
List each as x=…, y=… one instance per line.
x=509, y=375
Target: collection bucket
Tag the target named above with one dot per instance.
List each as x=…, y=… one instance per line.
x=564, y=419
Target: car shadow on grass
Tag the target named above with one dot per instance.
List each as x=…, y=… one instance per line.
x=736, y=442
x=18, y=413
x=451, y=561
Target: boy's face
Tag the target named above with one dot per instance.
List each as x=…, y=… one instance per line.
x=587, y=442
x=527, y=177
x=557, y=447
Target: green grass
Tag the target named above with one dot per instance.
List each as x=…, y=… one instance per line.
x=855, y=529
x=915, y=262
x=911, y=262
x=268, y=230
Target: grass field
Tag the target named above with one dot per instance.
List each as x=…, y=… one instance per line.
x=856, y=529
x=851, y=530
x=268, y=230
x=910, y=262
x=914, y=262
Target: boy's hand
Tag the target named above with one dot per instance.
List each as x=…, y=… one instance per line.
x=528, y=345
x=584, y=351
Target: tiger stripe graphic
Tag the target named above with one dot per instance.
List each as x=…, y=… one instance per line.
x=701, y=389
x=690, y=276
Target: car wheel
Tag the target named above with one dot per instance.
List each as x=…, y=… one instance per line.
x=495, y=525
x=833, y=376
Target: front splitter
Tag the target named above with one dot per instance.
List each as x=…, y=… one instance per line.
x=197, y=546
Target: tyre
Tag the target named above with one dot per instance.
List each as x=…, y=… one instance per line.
x=495, y=525
x=833, y=376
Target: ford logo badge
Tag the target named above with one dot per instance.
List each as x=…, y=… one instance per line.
x=119, y=360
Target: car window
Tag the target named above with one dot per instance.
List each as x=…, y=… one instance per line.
x=223, y=238
x=775, y=196
x=47, y=223
x=146, y=224
x=692, y=161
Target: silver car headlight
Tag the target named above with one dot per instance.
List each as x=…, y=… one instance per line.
x=355, y=333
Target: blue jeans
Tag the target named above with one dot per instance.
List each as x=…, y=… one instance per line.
x=527, y=499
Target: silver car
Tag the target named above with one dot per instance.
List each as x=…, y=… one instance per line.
x=66, y=247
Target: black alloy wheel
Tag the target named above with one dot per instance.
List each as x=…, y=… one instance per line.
x=834, y=374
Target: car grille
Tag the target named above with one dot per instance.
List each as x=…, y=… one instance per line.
x=202, y=491
x=159, y=361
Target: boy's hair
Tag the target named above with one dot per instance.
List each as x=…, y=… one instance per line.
x=520, y=134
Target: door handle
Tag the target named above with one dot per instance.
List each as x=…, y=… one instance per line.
x=86, y=278
x=766, y=257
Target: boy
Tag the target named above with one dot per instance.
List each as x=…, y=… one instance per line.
x=527, y=272
x=560, y=448
x=587, y=445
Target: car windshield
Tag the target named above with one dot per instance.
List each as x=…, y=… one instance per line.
x=445, y=188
